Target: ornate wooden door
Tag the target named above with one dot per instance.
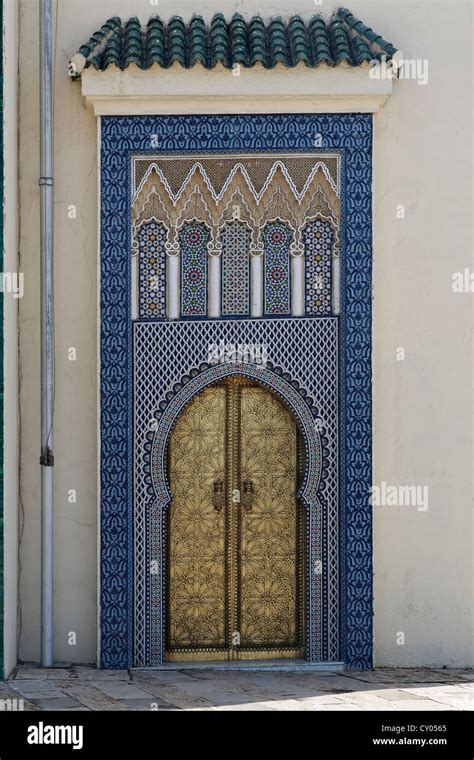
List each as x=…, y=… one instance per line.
x=234, y=528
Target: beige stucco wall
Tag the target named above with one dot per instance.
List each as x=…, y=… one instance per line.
x=10, y=337
x=422, y=406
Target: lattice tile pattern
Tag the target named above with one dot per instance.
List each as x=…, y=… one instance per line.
x=235, y=239
x=166, y=352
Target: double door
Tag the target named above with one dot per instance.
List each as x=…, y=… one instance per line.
x=235, y=529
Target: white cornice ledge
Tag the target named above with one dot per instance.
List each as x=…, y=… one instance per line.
x=134, y=92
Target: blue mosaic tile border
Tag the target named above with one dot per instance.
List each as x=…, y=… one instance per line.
x=349, y=134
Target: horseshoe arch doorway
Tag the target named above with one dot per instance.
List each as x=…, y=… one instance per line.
x=235, y=529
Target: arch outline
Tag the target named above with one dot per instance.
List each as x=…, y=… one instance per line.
x=310, y=494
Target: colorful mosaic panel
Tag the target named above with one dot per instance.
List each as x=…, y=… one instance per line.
x=318, y=239
x=277, y=238
x=235, y=239
x=193, y=241
x=152, y=271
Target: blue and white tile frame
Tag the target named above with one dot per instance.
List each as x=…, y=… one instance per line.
x=122, y=137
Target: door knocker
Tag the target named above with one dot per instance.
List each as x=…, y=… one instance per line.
x=247, y=495
x=218, y=495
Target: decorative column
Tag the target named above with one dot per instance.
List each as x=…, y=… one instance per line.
x=172, y=281
x=214, y=295
x=134, y=276
x=256, y=282
x=297, y=282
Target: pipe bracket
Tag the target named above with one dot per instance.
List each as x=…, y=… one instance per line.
x=47, y=457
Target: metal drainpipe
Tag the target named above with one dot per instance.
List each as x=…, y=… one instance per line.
x=47, y=333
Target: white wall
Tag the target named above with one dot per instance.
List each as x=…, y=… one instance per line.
x=10, y=337
x=422, y=406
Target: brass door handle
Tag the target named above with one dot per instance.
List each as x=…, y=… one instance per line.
x=247, y=495
x=218, y=495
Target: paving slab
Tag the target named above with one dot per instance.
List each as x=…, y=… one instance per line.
x=86, y=673
x=433, y=691
x=253, y=690
x=118, y=690
x=340, y=708
x=58, y=703
x=31, y=672
x=175, y=695
x=164, y=677
x=456, y=703
x=35, y=689
x=85, y=693
x=365, y=700
x=247, y=707
x=147, y=705
x=394, y=695
x=215, y=695
x=406, y=675
x=415, y=705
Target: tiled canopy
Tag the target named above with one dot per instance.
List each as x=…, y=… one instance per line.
x=343, y=39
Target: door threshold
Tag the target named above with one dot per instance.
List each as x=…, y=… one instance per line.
x=273, y=665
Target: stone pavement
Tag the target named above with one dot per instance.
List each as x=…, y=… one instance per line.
x=86, y=688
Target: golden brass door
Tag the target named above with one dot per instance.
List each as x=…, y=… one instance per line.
x=235, y=530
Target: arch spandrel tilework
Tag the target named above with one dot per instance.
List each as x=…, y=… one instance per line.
x=349, y=137
x=238, y=199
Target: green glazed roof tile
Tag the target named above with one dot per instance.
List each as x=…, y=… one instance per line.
x=133, y=42
x=340, y=43
x=155, y=44
x=197, y=41
x=219, y=41
x=343, y=39
x=88, y=48
x=112, y=53
x=257, y=41
x=361, y=51
x=279, y=51
x=365, y=31
x=320, y=43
